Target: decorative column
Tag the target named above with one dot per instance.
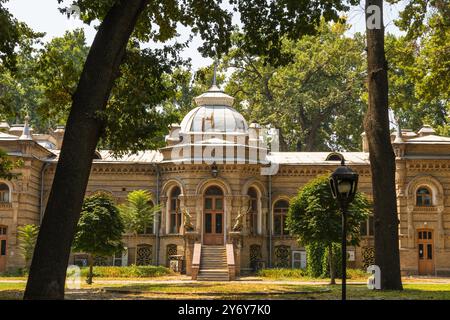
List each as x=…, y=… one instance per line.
x=182, y=199
x=163, y=216
x=441, y=231
x=198, y=213
x=411, y=231
x=228, y=213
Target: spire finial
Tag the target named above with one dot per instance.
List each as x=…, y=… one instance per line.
x=215, y=73
x=398, y=136
x=26, y=133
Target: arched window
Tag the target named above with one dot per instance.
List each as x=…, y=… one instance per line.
x=4, y=193
x=174, y=209
x=423, y=197
x=252, y=215
x=281, y=208
x=334, y=156
x=214, y=191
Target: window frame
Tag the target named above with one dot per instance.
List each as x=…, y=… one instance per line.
x=430, y=196
x=280, y=212
x=5, y=193
x=174, y=213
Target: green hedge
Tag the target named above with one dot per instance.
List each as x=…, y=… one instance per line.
x=128, y=272
x=278, y=273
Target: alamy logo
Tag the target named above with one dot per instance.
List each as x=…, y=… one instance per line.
x=73, y=279
x=374, y=18
x=374, y=281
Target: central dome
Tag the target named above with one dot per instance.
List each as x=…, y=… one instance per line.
x=214, y=114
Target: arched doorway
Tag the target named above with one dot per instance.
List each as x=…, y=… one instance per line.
x=3, y=244
x=425, y=251
x=213, y=216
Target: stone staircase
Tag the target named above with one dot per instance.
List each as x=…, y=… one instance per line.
x=213, y=264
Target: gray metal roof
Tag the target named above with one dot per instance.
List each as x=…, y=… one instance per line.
x=292, y=158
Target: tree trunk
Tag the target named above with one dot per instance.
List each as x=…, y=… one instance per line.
x=48, y=268
x=331, y=263
x=91, y=267
x=382, y=159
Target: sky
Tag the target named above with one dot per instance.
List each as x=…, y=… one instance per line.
x=43, y=16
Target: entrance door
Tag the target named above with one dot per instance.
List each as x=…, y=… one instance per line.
x=213, y=217
x=3, y=243
x=426, y=252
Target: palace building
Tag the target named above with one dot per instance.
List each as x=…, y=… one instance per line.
x=224, y=191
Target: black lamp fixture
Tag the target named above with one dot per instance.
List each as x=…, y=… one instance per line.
x=343, y=184
x=214, y=170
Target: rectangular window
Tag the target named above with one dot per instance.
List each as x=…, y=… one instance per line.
x=218, y=204
x=277, y=224
x=420, y=251
x=3, y=248
x=218, y=223
x=299, y=259
x=208, y=223
x=117, y=259
x=208, y=203
x=173, y=223
x=429, y=252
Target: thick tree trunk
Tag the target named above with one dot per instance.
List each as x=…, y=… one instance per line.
x=48, y=268
x=382, y=159
x=331, y=262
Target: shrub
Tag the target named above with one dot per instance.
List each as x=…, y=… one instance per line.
x=337, y=261
x=132, y=271
x=357, y=274
x=16, y=272
x=279, y=273
x=314, y=257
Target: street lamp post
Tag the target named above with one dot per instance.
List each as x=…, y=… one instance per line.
x=343, y=184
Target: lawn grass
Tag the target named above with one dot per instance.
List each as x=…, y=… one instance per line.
x=301, y=275
x=239, y=290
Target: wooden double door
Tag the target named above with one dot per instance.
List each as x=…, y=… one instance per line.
x=3, y=246
x=425, y=249
x=213, y=217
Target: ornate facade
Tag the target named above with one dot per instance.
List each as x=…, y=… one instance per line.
x=218, y=185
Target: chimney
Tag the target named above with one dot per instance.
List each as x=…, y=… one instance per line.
x=426, y=130
x=58, y=134
x=4, y=126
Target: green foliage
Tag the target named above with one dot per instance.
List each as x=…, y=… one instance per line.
x=132, y=271
x=315, y=100
x=100, y=228
x=27, y=236
x=281, y=273
x=7, y=165
x=419, y=65
x=314, y=256
x=13, y=33
x=337, y=261
x=138, y=213
x=314, y=216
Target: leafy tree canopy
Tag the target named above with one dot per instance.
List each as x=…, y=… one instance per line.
x=315, y=100
x=314, y=215
x=100, y=228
